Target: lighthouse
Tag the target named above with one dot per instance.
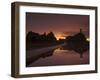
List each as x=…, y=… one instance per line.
x=80, y=30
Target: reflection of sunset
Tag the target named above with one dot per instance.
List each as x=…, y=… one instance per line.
x=59, y=36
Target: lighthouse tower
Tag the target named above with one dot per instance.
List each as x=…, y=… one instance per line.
x=80, y=30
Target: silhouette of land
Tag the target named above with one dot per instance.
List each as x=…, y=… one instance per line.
x=43, y=45
x=78, y=43
x=36, y=40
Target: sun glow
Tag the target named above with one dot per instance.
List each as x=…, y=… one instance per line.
x=59, y=36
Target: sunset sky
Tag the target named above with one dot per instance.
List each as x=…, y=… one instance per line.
x=62, y=25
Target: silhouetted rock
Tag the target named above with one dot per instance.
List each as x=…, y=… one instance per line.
x=78, y=43
x=36, y=40
x=51, y=37
x=32, y=36
x=43, y=37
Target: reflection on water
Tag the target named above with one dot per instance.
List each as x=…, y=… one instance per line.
x=61, y=56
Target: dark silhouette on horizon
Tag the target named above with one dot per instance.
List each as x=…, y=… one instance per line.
x=32, y=36
x=78, y=43
x=36, y=40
